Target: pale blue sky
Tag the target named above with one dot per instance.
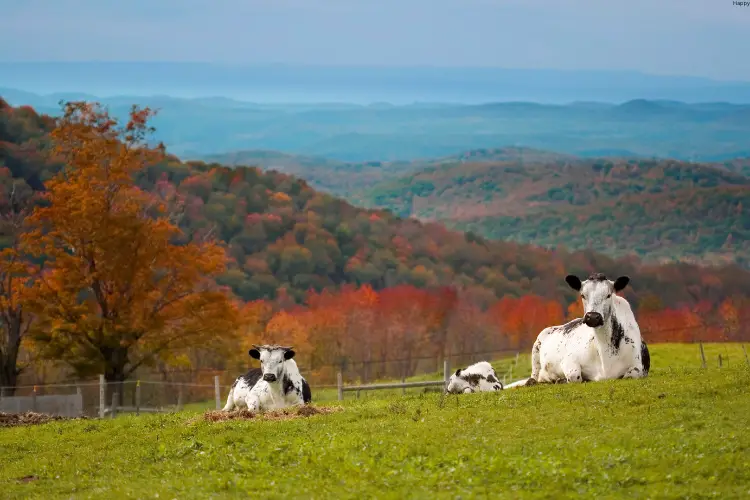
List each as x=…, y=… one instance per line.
x=684, y=37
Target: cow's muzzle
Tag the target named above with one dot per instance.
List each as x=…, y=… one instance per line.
x=269, y=377
x=593, y=319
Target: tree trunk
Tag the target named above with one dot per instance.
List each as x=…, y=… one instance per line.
x=115, y=361
x=9, y=371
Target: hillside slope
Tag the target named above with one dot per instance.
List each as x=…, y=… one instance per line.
x=661, y=210
x=679, y=433
x=285, y=237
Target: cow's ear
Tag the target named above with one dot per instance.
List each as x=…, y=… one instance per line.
x=254, y=353
x=289, y=354
x=458, y=372
x=621, y=283
x=573, y=282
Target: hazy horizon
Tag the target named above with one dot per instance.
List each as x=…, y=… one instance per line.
x=700, y=38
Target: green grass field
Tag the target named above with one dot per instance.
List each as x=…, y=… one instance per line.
x=681, y=433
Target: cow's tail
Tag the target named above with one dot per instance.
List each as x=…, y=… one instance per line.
x=645, y=358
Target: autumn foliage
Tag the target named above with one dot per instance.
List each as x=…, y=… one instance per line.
x=132, y=259
x=117, y=291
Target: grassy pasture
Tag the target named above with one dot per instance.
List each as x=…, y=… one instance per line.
x=681, y=433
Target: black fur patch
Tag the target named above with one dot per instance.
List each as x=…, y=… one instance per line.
x=618, y=332
x=287, y=385
x=491, y=379
x=497, y=387
x=306, y=393
x=645, y=358
x=597, y=277
x=627, y=340
x=473, y=378
x=568, y=328
x=252, y=376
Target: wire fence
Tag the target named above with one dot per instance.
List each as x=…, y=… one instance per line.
x=99, y=398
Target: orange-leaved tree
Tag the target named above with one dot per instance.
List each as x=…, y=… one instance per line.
x=16, y=272
x=118, y=290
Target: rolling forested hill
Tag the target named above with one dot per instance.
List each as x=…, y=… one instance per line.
x=284, y=235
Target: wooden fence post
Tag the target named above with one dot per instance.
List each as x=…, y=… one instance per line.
x=113, y=409
x=79, y=393
x=137, y=397
x=2, y=391
x=746, y=358
x=179, y=398
x=33, y=400
x=446, y=373
x=340, y=385
x=102, y=396
x=719, y=360
x=217, y=392
x=703, y=355
x=403, y=389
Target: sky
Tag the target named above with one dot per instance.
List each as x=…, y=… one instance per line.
x=707, y=38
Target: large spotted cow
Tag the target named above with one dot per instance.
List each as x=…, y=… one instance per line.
x=276, y=384
x=605, y=344
x=477, y=377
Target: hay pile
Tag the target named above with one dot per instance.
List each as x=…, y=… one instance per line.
x=28, y=418
x=285, y=414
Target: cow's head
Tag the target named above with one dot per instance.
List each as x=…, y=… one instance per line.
x=596, y=293
x=458, y=385
x=272, y=359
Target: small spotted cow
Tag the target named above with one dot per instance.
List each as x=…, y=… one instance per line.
x=605, y=344
x=276, y=384
x=477, y=377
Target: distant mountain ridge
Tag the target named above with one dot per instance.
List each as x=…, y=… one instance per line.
x=194, y=128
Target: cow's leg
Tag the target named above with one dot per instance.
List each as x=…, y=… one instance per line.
x=252, y=401
x=633, y=372
x=230, y=401
x=572, y=371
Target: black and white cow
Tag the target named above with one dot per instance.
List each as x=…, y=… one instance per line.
x=605, y=344
x=479, y=377
x=276, y=384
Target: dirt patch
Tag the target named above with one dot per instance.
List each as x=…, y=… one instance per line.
x=28, y=418
x=285, y=414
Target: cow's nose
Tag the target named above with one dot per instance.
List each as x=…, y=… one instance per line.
x=593, y=319
x=269, y=377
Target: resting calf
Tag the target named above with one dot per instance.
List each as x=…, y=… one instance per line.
x=477, y=377
x=276, y=384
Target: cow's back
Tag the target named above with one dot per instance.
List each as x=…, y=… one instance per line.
x=252, y=376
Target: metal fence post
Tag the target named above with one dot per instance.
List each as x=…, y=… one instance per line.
x=102, y=396
x=113, y=409
x=137, y=397
x=217, y=392
x=179, y=398
x=33, y=400
x=340, y=385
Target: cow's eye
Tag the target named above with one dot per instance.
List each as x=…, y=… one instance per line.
x=608, y=296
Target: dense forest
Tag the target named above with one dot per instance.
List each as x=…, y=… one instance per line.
x=659, y=210
x=410, y=287
x=280, y=233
